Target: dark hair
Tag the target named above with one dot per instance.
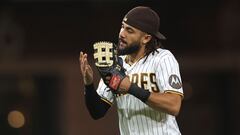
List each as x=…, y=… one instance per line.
x=152, y=46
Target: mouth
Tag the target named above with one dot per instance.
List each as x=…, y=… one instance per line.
x=122, y=44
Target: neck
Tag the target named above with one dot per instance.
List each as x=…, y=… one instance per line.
x=132, y=58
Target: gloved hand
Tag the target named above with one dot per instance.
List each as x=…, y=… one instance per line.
x=109, y=65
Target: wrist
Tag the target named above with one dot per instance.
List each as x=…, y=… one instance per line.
x=138, y=92
x=89, y=86
x=89, y=89
x=88, y=82
x=125, y=84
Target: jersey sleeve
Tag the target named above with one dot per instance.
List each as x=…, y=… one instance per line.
x=105, y=93
x=168, y=75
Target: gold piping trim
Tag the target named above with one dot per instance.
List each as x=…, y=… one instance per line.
x=127, y=60
x=174, y=92
x=105, y=100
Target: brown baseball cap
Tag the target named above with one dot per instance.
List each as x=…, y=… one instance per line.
x=144, y=19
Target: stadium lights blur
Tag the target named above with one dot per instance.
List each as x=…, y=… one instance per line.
x=16, y=119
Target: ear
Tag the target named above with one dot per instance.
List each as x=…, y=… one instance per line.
x=146, y=38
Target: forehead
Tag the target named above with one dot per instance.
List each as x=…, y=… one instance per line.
x=130, y=27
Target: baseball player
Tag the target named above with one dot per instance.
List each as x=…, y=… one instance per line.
x=144, y=81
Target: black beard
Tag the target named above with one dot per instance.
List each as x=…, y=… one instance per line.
x=134, y=47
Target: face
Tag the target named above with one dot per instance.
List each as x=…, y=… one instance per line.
x=130, y=39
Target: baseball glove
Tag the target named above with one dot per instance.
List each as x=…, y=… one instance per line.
x=109, y=64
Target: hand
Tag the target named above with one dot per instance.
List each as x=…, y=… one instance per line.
x=109, y=64
x=124, y=85
x=86, y=69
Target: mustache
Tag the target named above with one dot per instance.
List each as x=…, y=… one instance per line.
x=121, y=40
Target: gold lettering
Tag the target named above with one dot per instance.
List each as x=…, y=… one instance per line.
x=134, y=78
x=143, y=81
x=154, y=86
x=146, y=81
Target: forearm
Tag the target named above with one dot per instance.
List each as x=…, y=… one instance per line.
x=96, y=107
x=165, y=102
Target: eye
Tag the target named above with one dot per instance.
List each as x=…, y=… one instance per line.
x=129, y=30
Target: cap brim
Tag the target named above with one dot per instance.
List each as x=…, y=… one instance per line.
x=160, y=36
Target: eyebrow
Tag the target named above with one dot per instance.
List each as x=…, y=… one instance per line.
x=128, y=27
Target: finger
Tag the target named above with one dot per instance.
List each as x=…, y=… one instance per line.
x=82, y=62
x=80, y=56
x=85, y=63
x=86, y=60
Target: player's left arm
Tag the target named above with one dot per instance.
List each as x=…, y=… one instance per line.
x=168, y=102
x=168, y=80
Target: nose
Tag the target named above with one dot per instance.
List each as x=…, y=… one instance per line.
x=122, y=33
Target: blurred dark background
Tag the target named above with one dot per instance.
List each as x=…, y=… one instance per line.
x=41, y=90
